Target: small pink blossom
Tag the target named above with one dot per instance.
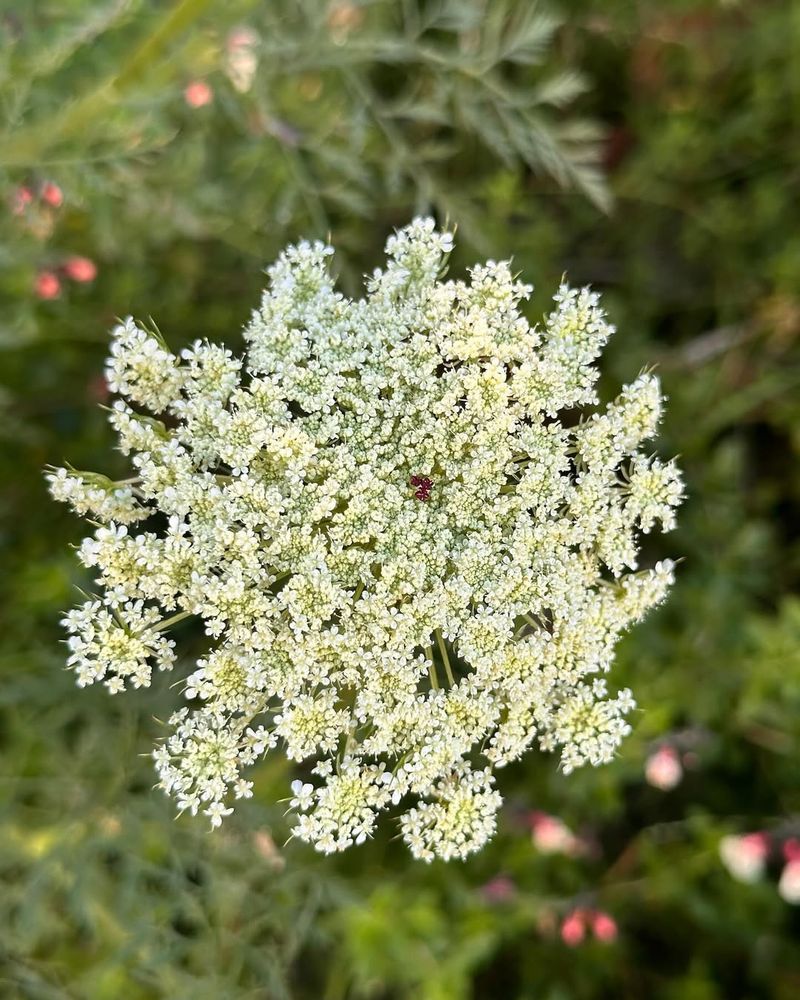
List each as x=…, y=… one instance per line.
x=791, y=849
x=745, y=857
x=499, y=889
x=663, y=769
x=52, y=194
x=198, y=93
x=573, y=928
x=241, y=37
x=20, y=200
x=604, y=927
x=789, y=882
x=551, y=835
x=80, y=269
x=47, y=285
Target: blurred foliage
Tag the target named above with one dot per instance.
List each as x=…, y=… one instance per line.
x=324, y=118
x=345, y=118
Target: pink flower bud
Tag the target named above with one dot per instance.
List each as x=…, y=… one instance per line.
x=791, y=849
x=757, y=842
x=663, y=769
x=745, y=857
x=242, y=36
x=52, y=194
x=80, y=269
x=47, y=285
x=551, y=835
x=198, y=93
x=573, y=929
x=20, y=200
x=604, y=927
x=500, y=889
x=789, y=883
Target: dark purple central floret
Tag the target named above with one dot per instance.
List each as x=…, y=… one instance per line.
x=424, y=485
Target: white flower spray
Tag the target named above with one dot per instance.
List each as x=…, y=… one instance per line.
x=410, y=570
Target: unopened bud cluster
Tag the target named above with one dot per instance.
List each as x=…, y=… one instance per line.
x=408, y=568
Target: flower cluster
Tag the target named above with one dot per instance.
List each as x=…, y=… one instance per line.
x=37, y=207
x=409, y=569
x=575, y=925
x=746, y=857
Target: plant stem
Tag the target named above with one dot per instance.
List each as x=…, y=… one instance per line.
x=178, y=617
x=445, y=658
x=432, y=669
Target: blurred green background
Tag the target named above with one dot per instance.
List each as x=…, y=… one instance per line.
x=154, y=157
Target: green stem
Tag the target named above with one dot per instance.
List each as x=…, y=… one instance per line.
x=445, y=658
x=178, y=617
x=528, y=621
x=432, y=669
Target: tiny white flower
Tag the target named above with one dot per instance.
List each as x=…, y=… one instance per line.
x=243, y=789
x=216, y=811
x=303, y=796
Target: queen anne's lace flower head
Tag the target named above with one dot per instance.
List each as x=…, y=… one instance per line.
x=409, y=568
